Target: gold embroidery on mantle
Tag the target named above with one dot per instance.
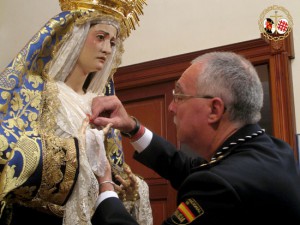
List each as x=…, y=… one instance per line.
x=59, y=154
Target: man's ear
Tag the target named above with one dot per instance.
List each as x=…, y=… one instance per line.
x=217, y=110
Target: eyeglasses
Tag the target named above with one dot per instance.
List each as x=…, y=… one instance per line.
x=181, y=97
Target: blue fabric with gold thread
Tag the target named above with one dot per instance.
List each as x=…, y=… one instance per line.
x=114, y=148
x=24, y=102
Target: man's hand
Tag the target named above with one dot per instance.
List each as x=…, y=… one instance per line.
x=109, y=109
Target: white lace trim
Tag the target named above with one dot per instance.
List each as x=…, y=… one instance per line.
x=81, y=204
x=74, y=107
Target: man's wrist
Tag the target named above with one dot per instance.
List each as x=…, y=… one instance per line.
x=135, y=130
x=139, y=134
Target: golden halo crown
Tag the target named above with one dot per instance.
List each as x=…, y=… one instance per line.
x=127, y=11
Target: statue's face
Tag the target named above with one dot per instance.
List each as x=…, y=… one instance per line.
x=98, y=46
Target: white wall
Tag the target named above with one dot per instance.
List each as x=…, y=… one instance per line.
x=167, y=28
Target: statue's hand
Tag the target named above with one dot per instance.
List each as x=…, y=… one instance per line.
x=128, y=188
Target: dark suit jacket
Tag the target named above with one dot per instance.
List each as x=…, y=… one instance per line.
x=254, y=180
x=111, y=211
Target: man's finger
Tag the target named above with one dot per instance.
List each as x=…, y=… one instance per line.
x=99, y=105
x=102, y=121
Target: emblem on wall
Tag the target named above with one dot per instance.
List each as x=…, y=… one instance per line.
x=275, y=23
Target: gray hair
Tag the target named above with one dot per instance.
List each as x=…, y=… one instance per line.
x=235, y=80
